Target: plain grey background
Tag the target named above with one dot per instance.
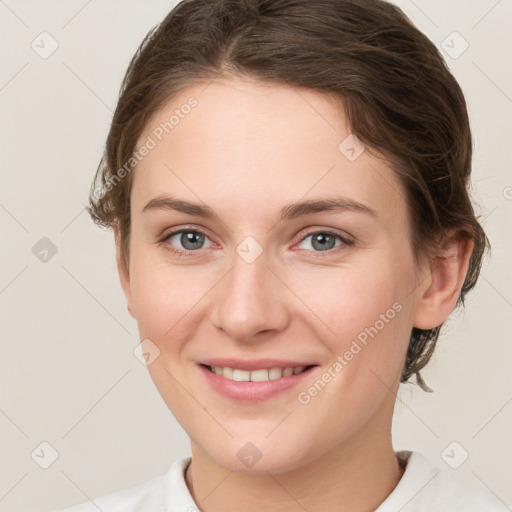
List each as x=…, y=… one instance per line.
x=68, y=375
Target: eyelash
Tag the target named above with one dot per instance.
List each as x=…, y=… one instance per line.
x=346, y=242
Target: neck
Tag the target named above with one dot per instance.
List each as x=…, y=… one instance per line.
x=354, y=476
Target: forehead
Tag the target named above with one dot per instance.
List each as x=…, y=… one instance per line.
x=247, y=146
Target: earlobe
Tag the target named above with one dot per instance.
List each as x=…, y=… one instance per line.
x=122, y=269
x=442, y=289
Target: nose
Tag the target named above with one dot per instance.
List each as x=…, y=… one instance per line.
x=250, y=301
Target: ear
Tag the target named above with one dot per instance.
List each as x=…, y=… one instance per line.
x=440, y=291
x=122, y=269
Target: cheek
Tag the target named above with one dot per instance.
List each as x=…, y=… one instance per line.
x=163, y=296
x=364, y=316
x=167, y=302
x=346, y=301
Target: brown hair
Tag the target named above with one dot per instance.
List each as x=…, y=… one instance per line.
x=397, y=92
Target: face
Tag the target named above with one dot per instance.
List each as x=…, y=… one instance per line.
x=261, y=241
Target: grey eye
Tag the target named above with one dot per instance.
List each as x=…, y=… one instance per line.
x=321, y=241
x=189, y=240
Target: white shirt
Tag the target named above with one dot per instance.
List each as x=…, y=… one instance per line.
x=422, y=488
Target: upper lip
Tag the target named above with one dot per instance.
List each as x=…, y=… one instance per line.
x=253, y=364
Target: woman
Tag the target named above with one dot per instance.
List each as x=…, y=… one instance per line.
x=287, y=184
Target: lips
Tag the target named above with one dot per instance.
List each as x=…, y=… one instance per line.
x=253, y=380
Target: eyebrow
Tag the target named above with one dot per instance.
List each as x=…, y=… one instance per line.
x=288, y=212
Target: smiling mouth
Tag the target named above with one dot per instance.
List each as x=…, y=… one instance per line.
x=261, y=375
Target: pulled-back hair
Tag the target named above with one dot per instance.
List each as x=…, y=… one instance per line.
x=392, y=82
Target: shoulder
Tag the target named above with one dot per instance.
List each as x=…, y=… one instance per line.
x=425, y=488
x=148, y=496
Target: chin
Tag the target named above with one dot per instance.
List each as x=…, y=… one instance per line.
x=258, y=457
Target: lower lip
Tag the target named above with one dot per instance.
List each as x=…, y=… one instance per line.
x=249, y=391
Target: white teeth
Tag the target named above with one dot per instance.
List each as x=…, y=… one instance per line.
x=256, y=375
x=259, y=375
x=227, y=373
x=275, y=373
x=241, y=375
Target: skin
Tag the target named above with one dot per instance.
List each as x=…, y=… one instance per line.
x=247, y=150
